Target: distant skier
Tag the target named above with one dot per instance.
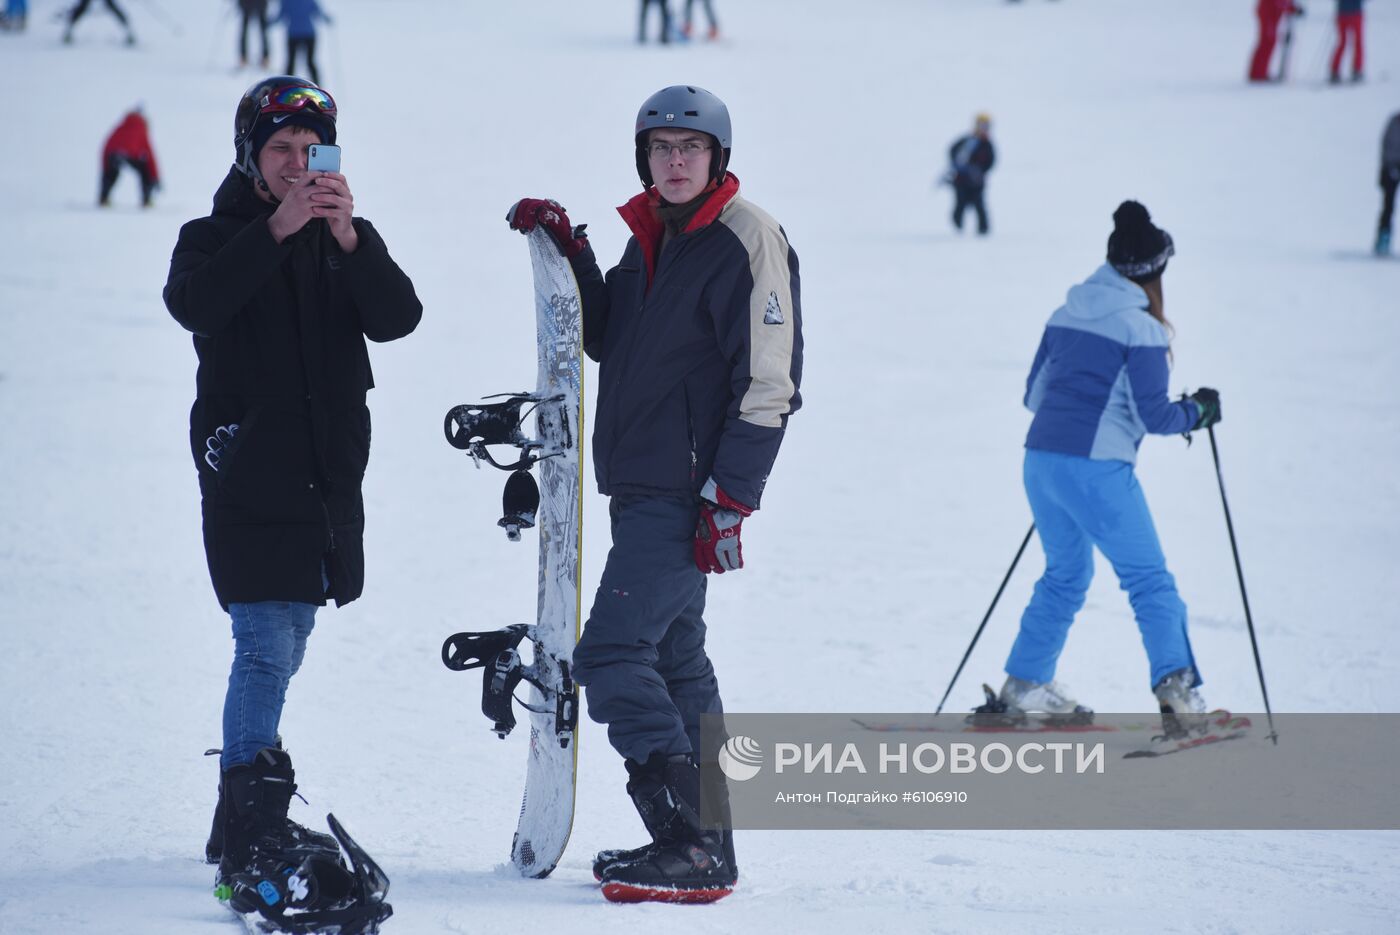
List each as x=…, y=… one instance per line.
x=281, y=286
x=1390, y=180
x=78, y=11
x=688, y=27
x=1350, y=25
x=1098, y=384
x=970, y=158
x=1269, y=13
x=300, y=17
x=254, y=11
x=698, y=335
x=129, y=145
x=16, y=15
x=665, y=7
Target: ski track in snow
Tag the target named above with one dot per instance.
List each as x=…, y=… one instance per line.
x=113, y=653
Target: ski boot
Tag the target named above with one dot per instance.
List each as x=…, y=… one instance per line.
x=1183, y=709
x=1383, y=243
x=686, y=862
x=1049, y=698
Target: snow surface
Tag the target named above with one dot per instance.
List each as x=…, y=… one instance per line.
x=892, y=513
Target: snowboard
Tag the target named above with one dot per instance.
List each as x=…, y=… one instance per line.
x=554, y=506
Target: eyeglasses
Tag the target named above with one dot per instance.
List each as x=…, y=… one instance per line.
x=291, y=98
x=689, y=149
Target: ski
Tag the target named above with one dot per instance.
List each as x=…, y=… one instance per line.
x=1033, y=724
x=554, y=506
x=1223, y=726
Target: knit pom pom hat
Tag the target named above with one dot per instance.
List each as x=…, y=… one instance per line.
x=1137, y=248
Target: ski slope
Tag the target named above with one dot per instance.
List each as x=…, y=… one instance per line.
x=891, y=516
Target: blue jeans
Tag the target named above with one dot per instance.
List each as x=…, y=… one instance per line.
x=269, y=639
x=1079, y=503
x=642, y=657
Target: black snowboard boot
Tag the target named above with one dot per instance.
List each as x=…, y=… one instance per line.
x=686, y=862
x=254, y=799
x=290, y=836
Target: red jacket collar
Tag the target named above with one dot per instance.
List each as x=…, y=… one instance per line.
x=641, y=217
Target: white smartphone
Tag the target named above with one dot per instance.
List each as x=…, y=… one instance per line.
x=323, y=157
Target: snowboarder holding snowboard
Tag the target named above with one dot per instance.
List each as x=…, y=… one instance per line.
x=970, y=158
x=129, y=145
x=280, y=285
x=1390, y=180
x=697, y=331
x=1097, y=386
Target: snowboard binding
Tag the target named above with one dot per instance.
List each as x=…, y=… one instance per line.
x=475, y=427
x=496, y=652
x=311, y=892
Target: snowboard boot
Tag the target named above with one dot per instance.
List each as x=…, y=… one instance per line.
x=1183, y=709
x=606, y=858
x=686, y=862
x=290, y=835
x=1383, y=243
x=643, y=782
x=254, y=798
x=1052, y=698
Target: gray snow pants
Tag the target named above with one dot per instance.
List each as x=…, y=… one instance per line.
x=642, y=656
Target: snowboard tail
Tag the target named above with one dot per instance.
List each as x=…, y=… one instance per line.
x=554, y=506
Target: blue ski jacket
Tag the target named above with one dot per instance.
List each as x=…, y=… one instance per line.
x=1099, y=380
x=300, y=17
x=699, y=344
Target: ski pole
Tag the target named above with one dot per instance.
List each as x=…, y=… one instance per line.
x=983, y=625
x=1239, y=573
x=1287, y=46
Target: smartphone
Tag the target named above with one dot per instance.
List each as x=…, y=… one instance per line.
x=323, y=157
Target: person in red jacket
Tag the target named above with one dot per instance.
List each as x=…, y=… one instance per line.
x=129, y=144
x=1270, y=13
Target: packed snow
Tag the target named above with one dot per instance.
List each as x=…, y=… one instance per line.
x=895, y=505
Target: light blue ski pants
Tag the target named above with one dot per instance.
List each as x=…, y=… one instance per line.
x=1079, y=503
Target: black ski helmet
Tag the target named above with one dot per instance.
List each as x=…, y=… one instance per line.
x=689, y=108
x=280, y=94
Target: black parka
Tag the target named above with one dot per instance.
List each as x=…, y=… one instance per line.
x=280, y=333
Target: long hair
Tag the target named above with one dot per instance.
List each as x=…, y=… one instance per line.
x=1156, y=307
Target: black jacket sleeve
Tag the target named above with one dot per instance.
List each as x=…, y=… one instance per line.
x=383, y=294
x=210, y=281
x=593, y=293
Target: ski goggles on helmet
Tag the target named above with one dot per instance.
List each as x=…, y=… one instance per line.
x=289, y=99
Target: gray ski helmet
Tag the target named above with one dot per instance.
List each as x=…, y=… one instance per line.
x=689, y=108
x=280, y=94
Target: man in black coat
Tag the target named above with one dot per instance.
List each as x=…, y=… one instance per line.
x=280, y=285
x=971, y=158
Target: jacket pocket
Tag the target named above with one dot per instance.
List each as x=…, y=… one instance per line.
x=268, y=472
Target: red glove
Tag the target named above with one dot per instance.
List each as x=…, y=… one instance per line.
x=717, y=546
x=528, y=213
